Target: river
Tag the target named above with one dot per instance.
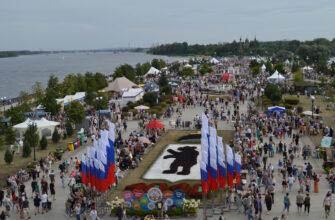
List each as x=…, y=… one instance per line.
x=20, y=73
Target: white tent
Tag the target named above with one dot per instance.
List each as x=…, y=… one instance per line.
x=263, y=68
x=44, y=127
x=142, y=107
x=79, y=96
x=132, y=95
x=120, y=84
x=153, y=71
x=307, y=68
x=276, y=77
x=214, y=61
x=188, y=66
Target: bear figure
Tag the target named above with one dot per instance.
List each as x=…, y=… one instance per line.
x=185, y=157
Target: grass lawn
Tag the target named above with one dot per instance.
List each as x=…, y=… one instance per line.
x=306, y=103
x=20, y=162
x=170, y=137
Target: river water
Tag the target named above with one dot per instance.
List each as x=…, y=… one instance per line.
x=20, y=73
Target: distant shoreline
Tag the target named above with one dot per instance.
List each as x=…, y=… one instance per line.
x=9, y=54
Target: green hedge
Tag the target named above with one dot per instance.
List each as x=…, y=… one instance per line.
x=291, y=100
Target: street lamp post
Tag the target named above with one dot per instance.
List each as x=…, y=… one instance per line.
x=313, y=100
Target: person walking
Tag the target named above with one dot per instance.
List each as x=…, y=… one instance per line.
x=327, y=204
x=268, y=202
x=77, y=210
x=119, y=212
x=299, y=201
x=291, y=181
x=44, y=201
x=307, y=203
x=52, y=190
x=94, y=213
x=287, y=203
x=37, y=203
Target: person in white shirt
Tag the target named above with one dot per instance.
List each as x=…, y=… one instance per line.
x=44, y=201
x=291, y=180
x=94, y=214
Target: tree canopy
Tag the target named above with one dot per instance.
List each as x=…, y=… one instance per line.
x=315, y=50
x=75, y=112
x=125, y=70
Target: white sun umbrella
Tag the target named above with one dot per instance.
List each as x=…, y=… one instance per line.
x=142, y=107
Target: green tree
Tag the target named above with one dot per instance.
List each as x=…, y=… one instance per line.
x=8, y=157
x=55, y=136
x=49, y=102
x=280, y=68
x=255, y=70
x=298, y=76
x=69, y=128
x=142, y=69
x=150, y=98
x=38, y=92
x=158, y=63
x=125, y=70
x=53, y=84
x=75, y=112
x=273, y=93
x=17, y=113
x=30, y=140
x=205, y=68
x=9, y=136
x=43, y=143
x=187, y=72
x=24, y=97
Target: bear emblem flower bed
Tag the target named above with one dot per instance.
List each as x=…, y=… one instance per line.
x=177, y=162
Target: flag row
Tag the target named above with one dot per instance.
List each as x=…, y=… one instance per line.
x=219, y=166
x=98, y=163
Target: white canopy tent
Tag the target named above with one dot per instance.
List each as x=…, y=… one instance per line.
x=276, y=78
x=79, y=96
x=142, y=107
x=44, y=127
x=153, y=72
x=263, y=68
x=214, y=61
x=132, y=95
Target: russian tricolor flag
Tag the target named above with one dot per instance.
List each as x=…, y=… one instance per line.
x=84, y=171
x=204, y=153
x=111, y=153
x=230, y=165
x=213, y=166
x=222, y=175
x=238, y=168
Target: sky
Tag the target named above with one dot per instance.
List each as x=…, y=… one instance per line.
x=95, y=24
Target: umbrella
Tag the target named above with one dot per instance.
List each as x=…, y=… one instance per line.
x=155, y=124
x=144, y=140
x=142, y=107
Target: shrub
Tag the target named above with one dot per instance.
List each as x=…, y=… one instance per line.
x=8, y=157
x=291, y=100
x=150, y=98
x=9, y=136
x=55, y=136
x=273, y=92
x=43, y=143
x=69, y=128
x=26, y=150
